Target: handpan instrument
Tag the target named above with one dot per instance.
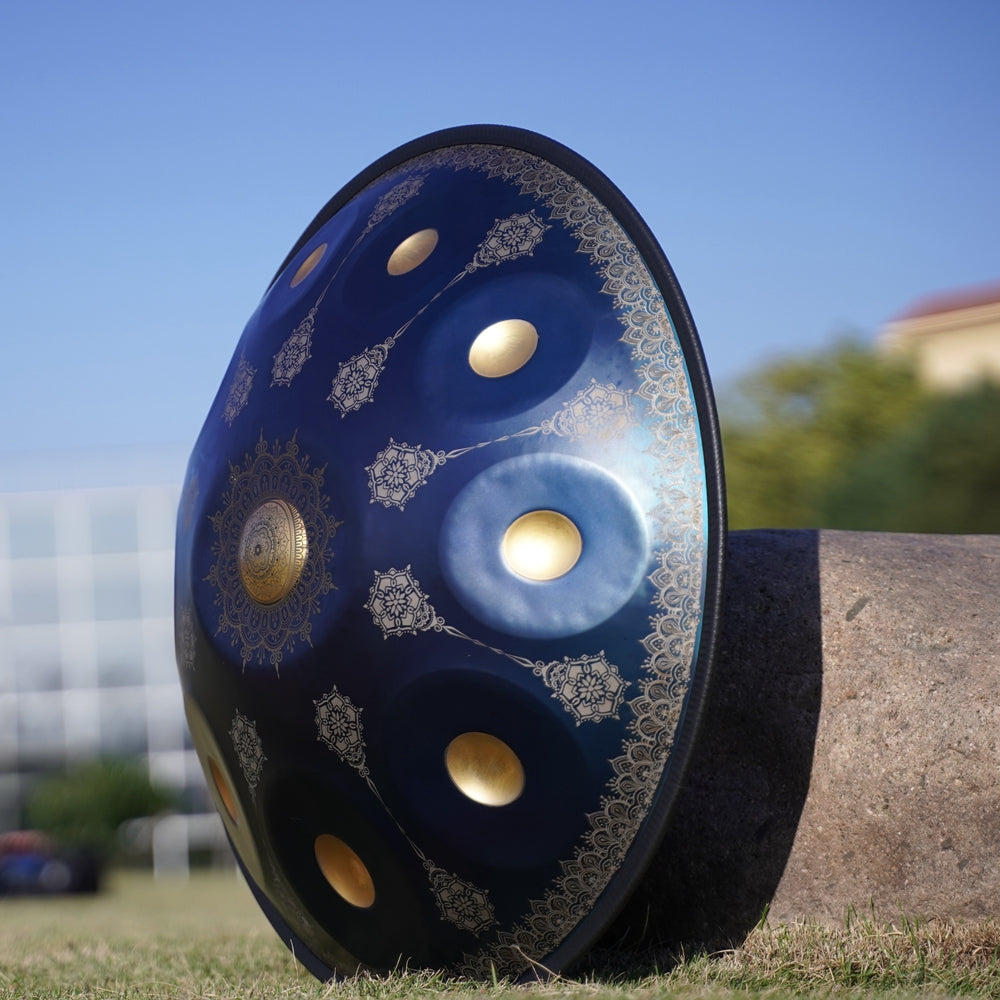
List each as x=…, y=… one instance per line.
x=449, y=559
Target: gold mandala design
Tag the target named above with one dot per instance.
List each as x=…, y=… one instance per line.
x=678, y=521
x=338, y=723
x=589, y=688
x=357, y=378
x=239, y=391
x=272, y=552
x=400, y=469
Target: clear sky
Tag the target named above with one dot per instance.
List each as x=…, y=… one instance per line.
x=809, y=167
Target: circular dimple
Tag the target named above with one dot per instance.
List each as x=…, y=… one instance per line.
x=344, y=870
x=541, y=545
x=225, y=792
x=503, y=348
x=412, y=252
x=272, y=551
x=221, y=787
x=308, y=266
x=596, y=580
x=485, y=769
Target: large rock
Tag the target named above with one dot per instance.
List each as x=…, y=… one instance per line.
x=849, y=753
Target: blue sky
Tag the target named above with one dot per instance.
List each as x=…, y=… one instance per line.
x=808, y=167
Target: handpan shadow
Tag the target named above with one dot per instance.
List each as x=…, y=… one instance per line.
x=726, y=847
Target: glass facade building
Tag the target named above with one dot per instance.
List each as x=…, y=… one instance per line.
x=86, y=637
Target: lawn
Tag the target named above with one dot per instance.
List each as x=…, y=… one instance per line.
x=206, y=940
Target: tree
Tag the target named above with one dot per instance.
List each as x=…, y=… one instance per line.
x=83, y=807
x=940, y=473
x=791, y=430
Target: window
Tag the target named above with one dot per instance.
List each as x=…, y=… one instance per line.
x=119, y=654
x=113, y=529
x=116, y=589
x=35, y=594
x=37, y=658
x=32, y=533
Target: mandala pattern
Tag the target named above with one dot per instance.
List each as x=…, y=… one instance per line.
x=406, y=189
x=678, y=533
x=589, y=688
x=338, y=721
x=357, y=379
x=400, y=469
x=460, y=903
x=293, y=354
x=266, y=632
x=398, y=606
x=249, y=750
x=508, y=239
x=239, y=391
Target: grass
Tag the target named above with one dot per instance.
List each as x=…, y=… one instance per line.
x=206, y=940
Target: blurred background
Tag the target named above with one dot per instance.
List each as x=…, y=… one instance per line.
x=822, y=178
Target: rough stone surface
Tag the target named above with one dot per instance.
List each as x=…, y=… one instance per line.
x=849, y=754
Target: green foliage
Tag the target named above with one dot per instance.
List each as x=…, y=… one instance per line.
x=83, y=807
x=940, y=473
x=850, y=439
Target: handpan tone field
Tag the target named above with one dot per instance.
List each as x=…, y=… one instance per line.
x=449, y=559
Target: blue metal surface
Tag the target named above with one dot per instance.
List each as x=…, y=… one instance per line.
x=355, y=464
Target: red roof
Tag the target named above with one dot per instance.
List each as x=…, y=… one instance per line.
x=952, y=301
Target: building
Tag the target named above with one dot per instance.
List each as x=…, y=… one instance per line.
x=953, y=337
x=86, y=634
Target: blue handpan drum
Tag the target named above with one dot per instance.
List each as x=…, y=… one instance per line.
x=449, y=558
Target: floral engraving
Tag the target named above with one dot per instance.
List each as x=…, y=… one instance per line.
x=357, y=378
x=677, y=531
x=400, y=469
x=265, y=632
x=338, y=723
x=398, y=606
x=460, y=902
x=293, y=354
x=589, y=688
x=249, y=750
x=509, y=239
x=239, y=391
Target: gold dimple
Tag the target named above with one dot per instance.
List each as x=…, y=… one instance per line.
x=225, y=792
x=541, y=545
x=344, y=870
x=502, y=348
x=272, y=551
x=308, y=265
x=485, y=769
x=412, y=252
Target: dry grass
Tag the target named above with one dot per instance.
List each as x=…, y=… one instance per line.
x=206, y=940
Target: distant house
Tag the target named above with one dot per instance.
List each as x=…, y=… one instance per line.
x=953, y=337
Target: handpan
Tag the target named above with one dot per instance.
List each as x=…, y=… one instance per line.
x=449, y=558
